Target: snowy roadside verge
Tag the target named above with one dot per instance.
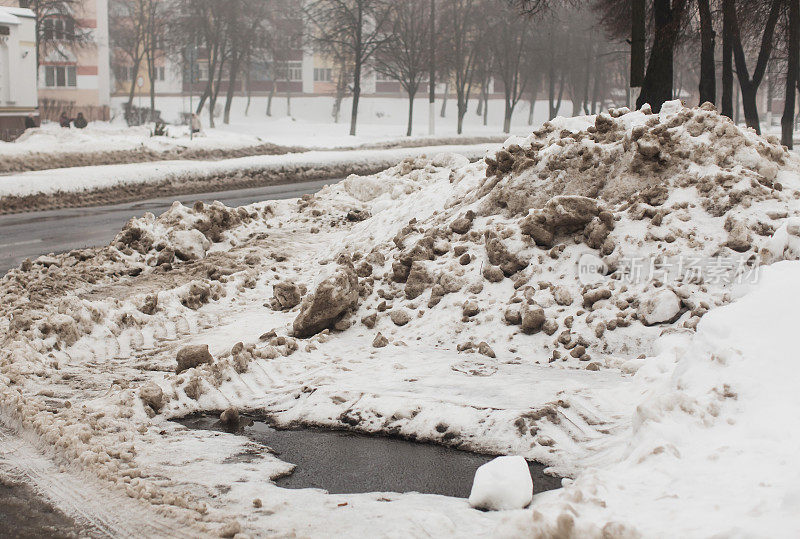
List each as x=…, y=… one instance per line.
x=52, y=147
x=98, y=185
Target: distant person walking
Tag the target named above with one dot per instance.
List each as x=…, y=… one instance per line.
x=30, y=122
x=196, y=125
x=64, y=120
x=80, y=122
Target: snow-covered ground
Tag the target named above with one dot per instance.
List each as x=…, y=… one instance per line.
x=612, y=296
x=380, y=119
x=382, y=123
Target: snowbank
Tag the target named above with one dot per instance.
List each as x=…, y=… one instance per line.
x=97, y=177
x=711, y=446
x=102, y=185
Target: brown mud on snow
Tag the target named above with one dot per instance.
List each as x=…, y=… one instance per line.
x=46, y=161
x=181, y=185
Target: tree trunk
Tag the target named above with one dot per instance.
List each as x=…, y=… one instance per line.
x=551, y=81
x=288, y=94
x=202, y=101
x=410, y=112
x=587, y=79
x=341, y=88
x=509, y=112
x=531, y=109
x=132, y=93
x=486, y=108
x=269, y=99
x=231, y=91
x=657, y=85
x=151, y=69
x=247, y=82
x=750, y=107
x=461, y=106
x=356, y=96
x=727, y=59
x=792, y=75
x=555, y=102
x=708, y=75
x=432, y=74
x=444, y=99
x=738, y=109
x=214, y=94
x=596, y=86
x=749, y=85
x=212, y=103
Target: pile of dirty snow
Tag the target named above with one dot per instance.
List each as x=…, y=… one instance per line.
x=585, y=297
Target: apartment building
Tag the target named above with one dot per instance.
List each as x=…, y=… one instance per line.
x=17, y=70
x=73, y=60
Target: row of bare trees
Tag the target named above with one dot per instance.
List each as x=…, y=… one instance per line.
x=232, y=36
x=756, y=36
x=467, y=44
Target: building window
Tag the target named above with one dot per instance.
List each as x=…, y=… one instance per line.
x=260, y=71
x=161, y=73
x=295, y=71
x=58, y=29
x=60, y=77
x=323, y=74
x=380, y=77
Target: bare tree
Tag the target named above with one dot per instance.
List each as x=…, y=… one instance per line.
x=749, y=84
x=658, y=79
x=556, y=74
x=432, y=70
x=355, y=27
x=465, y=29
x=127, y=29
x=708, y=77
x=511, y=39
x=247, y=22
x=792, y=72
x=154, y=24
x=405, y=56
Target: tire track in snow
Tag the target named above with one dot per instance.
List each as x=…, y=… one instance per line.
x=104, y=513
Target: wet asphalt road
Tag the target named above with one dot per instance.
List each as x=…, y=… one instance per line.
x=24, y=515
x=28, y=235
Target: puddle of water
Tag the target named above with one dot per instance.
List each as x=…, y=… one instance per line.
x=344, y=462
x=24, y=515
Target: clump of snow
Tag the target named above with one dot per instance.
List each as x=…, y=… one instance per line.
x=502, y=483
x=659, y=307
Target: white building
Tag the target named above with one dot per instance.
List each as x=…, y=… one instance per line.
x=18, y=87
